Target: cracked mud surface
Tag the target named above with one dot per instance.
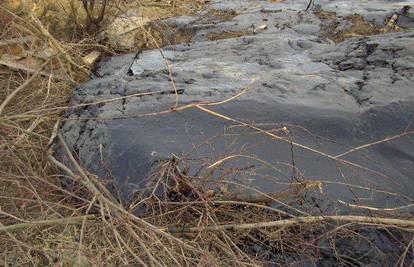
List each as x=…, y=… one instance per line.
x=331, y=97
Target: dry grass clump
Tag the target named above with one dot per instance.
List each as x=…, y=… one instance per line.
x=175, y=221
x=41, y=222
x=37, y=74
x=359, y=26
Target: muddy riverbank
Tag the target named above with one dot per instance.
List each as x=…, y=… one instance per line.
x=320, y=99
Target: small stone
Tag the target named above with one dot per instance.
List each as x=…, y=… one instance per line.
x=260, y=28
x=91, y=58
x=121, y=32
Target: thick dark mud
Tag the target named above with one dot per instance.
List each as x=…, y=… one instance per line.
x=320, y=100
x=287, y=96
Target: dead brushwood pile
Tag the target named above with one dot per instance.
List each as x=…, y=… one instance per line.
x=175, y=220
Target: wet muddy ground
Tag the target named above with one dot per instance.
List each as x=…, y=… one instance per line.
x=323, y=98
x=320, y=83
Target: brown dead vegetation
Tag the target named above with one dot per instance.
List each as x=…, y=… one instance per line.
x=175, y=221
x=226, y=35
x=359, y=27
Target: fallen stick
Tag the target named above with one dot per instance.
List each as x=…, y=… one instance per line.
x=18, y=40
x=406, y=133
x=64, y=221
x=21, y=87
x=292, y=191
x=226, y=202
x=296, y=221
x=18, y=66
